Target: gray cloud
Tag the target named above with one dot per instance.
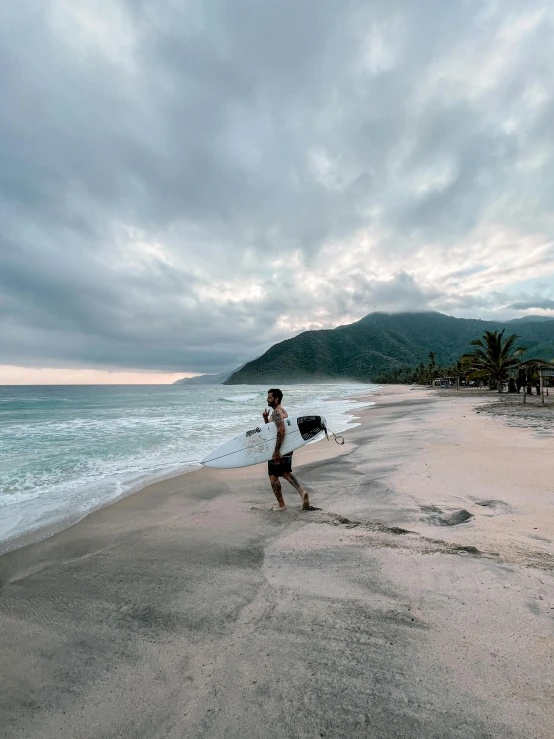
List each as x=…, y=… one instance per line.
x=184, y=184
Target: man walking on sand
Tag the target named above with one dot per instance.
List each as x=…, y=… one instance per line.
x=280, y=466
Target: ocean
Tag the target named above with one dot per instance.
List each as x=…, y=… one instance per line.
x=68, y=450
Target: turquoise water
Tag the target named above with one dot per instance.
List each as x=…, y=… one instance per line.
x=66, y=450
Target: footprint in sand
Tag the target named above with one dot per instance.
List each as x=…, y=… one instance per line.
x=540, y=538
x=494, y=507
x=437, y=517
x=430, y=509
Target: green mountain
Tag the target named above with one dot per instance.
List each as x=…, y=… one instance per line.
x=381, y=342
x=218, y=379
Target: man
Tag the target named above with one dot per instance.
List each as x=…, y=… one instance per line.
x=280, y=466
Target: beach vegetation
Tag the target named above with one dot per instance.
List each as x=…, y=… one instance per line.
x=493, y=358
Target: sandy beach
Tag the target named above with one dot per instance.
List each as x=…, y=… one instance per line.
x=418, y=602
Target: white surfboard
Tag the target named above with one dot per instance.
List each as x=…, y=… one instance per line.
x=258, y=444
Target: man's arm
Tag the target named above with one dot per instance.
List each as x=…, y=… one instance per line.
x=280, y=424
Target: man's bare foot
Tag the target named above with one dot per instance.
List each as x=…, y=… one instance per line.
x=305, y=502
x=278, y=508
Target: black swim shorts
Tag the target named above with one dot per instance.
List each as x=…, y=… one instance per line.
x=280, y=468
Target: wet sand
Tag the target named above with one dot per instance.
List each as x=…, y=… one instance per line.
x=418, y=602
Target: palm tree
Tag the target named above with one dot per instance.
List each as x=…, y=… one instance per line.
x=432, y=356
x=494, y=357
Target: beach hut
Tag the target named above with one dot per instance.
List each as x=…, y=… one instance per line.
x=545, y=372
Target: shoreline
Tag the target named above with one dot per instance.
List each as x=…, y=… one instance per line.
x=40, y=533
x=180, y=478
x=189, y=609
x=12, y=543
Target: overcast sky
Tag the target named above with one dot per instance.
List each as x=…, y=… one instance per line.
x=184, y=183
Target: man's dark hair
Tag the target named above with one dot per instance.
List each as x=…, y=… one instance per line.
x=277, y=394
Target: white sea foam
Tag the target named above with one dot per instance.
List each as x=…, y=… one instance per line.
x=240, y=398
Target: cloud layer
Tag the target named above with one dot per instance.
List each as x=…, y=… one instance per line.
x=184, y=183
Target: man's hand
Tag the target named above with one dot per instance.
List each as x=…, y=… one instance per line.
x=265, y=414
x=276, y=456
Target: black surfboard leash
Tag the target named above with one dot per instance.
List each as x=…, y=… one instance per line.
x=338, y=439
